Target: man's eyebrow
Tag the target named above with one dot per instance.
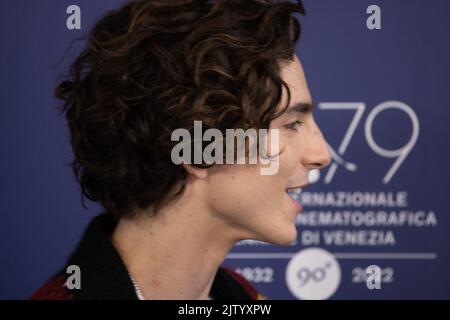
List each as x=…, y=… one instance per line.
x=300, y=107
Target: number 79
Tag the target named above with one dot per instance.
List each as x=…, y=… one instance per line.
x=400, y=154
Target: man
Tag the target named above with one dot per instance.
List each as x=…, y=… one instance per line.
x=153, y=67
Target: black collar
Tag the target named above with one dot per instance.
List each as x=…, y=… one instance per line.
x=104, y=275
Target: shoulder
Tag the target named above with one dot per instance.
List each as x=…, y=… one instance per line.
x=244, y=284
x=54, y=289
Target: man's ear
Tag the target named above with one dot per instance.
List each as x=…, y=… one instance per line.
x=199, y=173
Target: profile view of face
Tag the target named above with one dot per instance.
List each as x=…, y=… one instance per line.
x=257, y=206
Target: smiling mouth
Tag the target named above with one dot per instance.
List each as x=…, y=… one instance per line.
x=295, y=191
x=294, y=194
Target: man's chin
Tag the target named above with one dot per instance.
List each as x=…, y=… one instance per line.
x=283, y=237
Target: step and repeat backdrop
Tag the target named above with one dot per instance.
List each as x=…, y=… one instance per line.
x=376, y=222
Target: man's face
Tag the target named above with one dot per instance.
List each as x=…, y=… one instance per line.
x=257, y=206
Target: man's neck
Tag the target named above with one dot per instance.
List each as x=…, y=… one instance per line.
x=175, y=254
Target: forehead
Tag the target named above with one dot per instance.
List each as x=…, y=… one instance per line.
x=293, y=74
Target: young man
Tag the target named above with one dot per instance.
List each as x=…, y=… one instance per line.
x=156, y=66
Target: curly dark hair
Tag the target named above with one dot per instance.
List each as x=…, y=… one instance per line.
x=156, y=65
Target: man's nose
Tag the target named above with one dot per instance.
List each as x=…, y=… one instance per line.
x=317, y=154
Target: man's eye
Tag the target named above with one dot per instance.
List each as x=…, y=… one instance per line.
x=294, y=125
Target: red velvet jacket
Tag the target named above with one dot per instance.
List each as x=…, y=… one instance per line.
x=104, y=276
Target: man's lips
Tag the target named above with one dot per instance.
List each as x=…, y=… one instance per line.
x=298, y=187
x=294, y=193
